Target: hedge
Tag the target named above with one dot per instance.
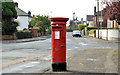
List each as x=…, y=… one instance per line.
x=83, y=32
x=81, y=26
x=86, y=29
x=69, y=30
x=89, y=28
x=92, y=31
x=24, y=34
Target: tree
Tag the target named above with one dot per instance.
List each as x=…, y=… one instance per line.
x=8, y=14
x=40, y=21
x=112, y=11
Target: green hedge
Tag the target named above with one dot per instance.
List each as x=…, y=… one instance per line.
x=92, y=31
x=89, y=28
x=83, y=32
x=81, y=26
x=86, y=29
x=24, y=34
x=69, y=30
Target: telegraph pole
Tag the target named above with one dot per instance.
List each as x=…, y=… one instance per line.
x=98, y=16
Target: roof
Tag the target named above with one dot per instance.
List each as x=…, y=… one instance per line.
x=21, y=12
x=89, y=17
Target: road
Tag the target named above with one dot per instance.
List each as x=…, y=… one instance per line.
x=35, y=56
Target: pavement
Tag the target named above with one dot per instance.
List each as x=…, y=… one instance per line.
x=26, y=40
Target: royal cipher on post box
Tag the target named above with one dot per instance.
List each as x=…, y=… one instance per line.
x=58, y=43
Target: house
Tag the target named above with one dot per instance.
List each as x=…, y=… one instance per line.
x=23, y=18
x=111, y=23
x=96, y=22
x=73, y=23
x=90, y=20
x=104, y=19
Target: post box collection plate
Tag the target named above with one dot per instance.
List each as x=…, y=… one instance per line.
x=57, y=34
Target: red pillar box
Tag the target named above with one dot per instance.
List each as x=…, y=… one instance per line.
x=58, y=43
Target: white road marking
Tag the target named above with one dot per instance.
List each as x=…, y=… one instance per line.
x=84, y=44
x=69, y=49
x=92, y=59
x=76, y=47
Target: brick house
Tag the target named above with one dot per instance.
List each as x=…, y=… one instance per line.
x=95, y=19
x=111, y=23
x=108, y=15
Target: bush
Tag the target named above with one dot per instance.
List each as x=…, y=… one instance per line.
x=92, y=31
x=69, y=30
x=50, y=30
x=9, y=29
x=81, y=26
x=24, y=34
x=86, y=30
x=24, y=29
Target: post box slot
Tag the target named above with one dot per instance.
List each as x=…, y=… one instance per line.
x=56, y=27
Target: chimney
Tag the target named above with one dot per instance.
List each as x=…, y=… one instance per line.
x=16, y=4
x=29, y=13
x=34, y=16
x=94, y=10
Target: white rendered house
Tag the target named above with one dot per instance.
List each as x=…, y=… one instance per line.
x=23, y=18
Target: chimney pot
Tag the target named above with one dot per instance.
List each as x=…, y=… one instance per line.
x=16, y=4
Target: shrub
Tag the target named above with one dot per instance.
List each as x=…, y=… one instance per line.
x=92, y=31
x=24, y=29
x=24, y=34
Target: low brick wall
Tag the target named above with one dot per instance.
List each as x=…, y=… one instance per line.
x=8, y=37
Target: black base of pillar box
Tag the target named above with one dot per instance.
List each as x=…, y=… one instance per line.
x=59, y=66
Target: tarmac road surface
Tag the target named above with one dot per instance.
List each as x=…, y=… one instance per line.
x=35, y=56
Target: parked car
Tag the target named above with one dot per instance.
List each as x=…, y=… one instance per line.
x=76, y=33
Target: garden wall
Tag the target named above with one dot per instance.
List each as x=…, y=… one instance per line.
x=108, y=34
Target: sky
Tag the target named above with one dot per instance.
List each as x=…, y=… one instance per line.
x=59, y=8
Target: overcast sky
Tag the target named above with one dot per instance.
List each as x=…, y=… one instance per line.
x=59, y=8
